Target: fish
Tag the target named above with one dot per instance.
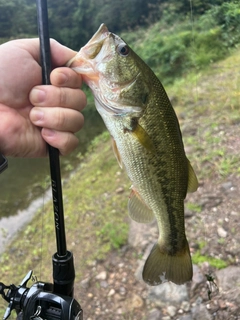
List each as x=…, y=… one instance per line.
x=147, y=142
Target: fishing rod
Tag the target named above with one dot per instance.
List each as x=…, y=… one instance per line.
x=47, y=301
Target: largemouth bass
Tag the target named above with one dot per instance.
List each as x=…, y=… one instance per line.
x=147, y=141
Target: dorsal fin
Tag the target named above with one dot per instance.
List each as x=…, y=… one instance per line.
x=192, y=179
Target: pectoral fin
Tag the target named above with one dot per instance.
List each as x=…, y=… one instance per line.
x=138, y=210
x=192, y=179
x=141, y=135
x=116, y=153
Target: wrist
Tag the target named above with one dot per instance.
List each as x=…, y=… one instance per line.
x=3, y=163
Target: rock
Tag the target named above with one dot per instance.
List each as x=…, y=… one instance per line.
x=135, y=302
x=186, y=317
x=199, y=312
x=103, y=284
x=102, y=275
x=122, y=291
x=171, y=310
x=221, y=232
x=197, y=277
x=168, y=294
x=85, y=283
x=119, y=190
x=154, y=314
x=119, y=311
x=226, y=186
x=185, y=306
x=111, y=292
x=121, y=265
x=228, y=278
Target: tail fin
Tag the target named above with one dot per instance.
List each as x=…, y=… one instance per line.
x=161, y=267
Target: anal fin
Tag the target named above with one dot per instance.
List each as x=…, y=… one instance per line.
x=138, y=210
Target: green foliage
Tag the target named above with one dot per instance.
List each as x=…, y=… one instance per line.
x=61, y=21
x=173, y=51
x=114, y=234
x=197, y=258
x=194, y=207
x=17, y=18
x=79, y=19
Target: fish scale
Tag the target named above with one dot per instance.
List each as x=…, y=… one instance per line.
x=147, y=142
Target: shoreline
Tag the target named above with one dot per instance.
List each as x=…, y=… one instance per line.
x=12, y=225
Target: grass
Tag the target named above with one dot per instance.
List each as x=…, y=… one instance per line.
x=208, y=105
x=193, y=207
x=197, y=258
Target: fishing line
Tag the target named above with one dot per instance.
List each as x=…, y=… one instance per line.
x=41, y=242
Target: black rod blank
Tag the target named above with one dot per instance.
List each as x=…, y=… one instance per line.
x=53, y=152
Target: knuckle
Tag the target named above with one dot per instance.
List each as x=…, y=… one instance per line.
x=60, y=119
x=63, y=97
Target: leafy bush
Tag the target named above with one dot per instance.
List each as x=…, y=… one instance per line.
x=173, y=51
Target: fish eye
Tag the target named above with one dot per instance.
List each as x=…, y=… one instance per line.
x=123, y=49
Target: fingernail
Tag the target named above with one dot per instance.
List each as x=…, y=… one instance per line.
x=37, y=115
x=37, y=95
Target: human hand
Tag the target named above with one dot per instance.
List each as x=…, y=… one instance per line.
x=32, y=114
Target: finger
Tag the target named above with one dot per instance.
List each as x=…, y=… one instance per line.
x=65, y=77
x=65, y=142
x=60, y=119
x=51, y=96
x=60, y=54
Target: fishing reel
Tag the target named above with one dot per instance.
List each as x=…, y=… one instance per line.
x=39, y=302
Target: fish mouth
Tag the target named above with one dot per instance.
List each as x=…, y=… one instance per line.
x=82, y=61
x=101, y=34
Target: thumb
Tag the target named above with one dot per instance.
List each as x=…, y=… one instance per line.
x=60, y=54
